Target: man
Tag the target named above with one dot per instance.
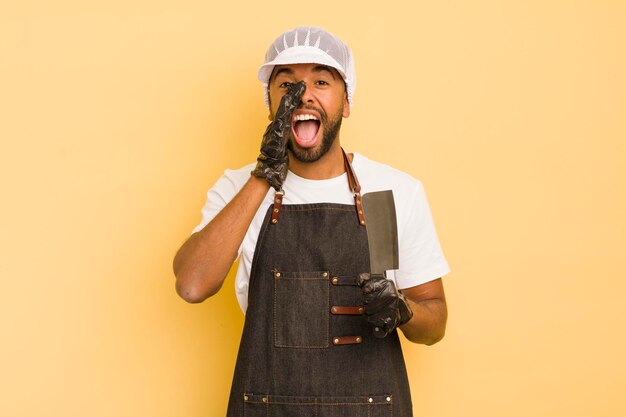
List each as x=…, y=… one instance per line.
x=320, y=332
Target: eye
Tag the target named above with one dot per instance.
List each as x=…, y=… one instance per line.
x=321, y=82
x=286, y=84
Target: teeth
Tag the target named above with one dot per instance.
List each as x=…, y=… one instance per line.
x=302, y=117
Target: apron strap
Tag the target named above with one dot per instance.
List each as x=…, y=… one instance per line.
x=355, y=187
x=353, y=182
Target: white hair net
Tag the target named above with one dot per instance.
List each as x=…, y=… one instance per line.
x=309, y=45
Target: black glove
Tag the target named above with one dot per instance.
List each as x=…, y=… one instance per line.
x=273, y=160
x=385, y=307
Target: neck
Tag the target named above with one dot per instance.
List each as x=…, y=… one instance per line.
x=328, y=166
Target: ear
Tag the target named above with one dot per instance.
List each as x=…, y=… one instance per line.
x=346, y=105
x=269, y=107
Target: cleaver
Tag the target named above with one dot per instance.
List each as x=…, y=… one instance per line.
x=379, y=210
x=381, y=225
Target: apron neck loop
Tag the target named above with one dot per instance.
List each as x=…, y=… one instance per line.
x=353, y=182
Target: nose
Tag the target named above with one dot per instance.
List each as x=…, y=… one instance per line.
x=307, y=96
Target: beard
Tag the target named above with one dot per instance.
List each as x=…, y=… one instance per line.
x=329, y=135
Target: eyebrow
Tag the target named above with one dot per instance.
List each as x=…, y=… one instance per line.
x=289, y=71
x=285, y=70
x=320, y=68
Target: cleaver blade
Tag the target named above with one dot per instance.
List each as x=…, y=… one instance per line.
x=381, y=224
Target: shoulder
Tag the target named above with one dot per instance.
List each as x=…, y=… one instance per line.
x=233, y=180
x=240, y=174
x=222, y=192
x=376, y=176
x=408, y=192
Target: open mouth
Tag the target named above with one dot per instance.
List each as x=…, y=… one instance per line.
x=306, y=129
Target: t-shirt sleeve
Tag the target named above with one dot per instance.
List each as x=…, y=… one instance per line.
x=420, y=256
x=222, y=192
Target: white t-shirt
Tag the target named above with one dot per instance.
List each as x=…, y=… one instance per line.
x=420, y=256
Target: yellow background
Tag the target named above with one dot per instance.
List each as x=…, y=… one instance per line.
x=116, y=117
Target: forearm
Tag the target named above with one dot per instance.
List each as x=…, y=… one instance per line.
x=428, y=324
x=203, y=261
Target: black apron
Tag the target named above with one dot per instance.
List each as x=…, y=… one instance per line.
x=306, y=349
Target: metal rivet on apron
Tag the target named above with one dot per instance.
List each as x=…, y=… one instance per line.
x=335, y=281
x=360, y=309
x=362, y=221
x=275, y=210
x=325, y=274
x=277, y=274
x=335, y=341
x=277, y=200
x=388, y=399
x=264, y=399
x=360, y=211
x=370, y=400
x=358, y=340
x=333, y=309
x=274, y=221
x=377, y=329
x=245, y=398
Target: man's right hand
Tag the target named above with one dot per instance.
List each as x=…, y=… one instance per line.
x=273, y=161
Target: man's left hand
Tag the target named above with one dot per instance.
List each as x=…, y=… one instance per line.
x=385, y=307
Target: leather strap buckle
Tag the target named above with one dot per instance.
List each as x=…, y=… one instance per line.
x=278, y=202
x=347, y=340
x=349, y=311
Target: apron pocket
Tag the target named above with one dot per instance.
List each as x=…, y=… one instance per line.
x=301, y=309
x=286, y=406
